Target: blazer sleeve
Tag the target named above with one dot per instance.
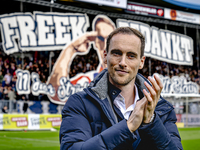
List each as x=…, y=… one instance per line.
x=162, y=133
x=76, y=133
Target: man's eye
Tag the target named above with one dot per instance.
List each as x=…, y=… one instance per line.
x=116, y=53
x=131, y=56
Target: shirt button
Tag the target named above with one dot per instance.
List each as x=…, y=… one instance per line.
x=114, y=92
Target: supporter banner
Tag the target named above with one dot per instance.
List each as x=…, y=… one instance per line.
x=29, y=121
x=171, y=86
x=189, y=119
x=178, y=85
x=181, y=16
x=112, y=3
x=162, y=44
x=145, y=9
x=54, y=31
x=66, y=31
x=40, y=31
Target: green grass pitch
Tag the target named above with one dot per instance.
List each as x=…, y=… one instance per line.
x=190, y=138
x=49, y=140
x=29, y=140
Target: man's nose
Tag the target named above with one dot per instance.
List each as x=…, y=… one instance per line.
x=122, y=62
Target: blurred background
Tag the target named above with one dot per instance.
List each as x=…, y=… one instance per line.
x=36, y=114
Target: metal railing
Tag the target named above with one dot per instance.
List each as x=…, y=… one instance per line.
x=187, y=109
x=34, y=107
x=10, y=104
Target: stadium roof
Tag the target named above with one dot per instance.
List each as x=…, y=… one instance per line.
x=94, y=9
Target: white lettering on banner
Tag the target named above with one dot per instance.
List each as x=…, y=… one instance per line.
x=52, y=31
x=45, y=34
x=9, y=34
x=20, y=121
x=178, y=85
x=174, y=85
x=166, y=44
x=142, y=9
x=49, y=31
x=155, y=48
x=163, y=45
x=55, y=121
x=41, y=88
x=66, y=89
x=28, y=38
x=145, y=30
x=23, y=81
x=23, y=84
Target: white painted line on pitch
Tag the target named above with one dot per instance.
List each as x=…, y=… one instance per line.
x=30, y=139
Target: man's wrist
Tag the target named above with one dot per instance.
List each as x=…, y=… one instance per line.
x=151, y=120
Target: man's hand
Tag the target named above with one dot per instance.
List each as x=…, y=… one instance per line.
x=82, y=43
x=136, y=117
x=152, y=97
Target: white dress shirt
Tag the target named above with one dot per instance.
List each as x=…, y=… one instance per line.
x=119, y=102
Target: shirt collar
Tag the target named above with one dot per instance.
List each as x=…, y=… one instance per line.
x=119, y=102
x=113, y=92
x=121, y=98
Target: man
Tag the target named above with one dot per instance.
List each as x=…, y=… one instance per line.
x=25, y=105
x=120, y=109
x=102, y=27
x=12, y=97
x=11, y=94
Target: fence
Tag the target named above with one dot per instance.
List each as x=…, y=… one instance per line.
x=34, y=107
x=187, y=109
x=11, y=106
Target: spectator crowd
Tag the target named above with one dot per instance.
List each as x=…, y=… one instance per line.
x=39, y=62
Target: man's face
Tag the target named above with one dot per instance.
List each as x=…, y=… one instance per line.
x=103, y=30
x=123, y=59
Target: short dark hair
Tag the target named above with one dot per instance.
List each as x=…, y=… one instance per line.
x=127, y=30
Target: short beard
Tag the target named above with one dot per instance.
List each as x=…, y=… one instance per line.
x=126, y=82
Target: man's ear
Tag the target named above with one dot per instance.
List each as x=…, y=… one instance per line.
x=142, y=62
x=105, y=57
